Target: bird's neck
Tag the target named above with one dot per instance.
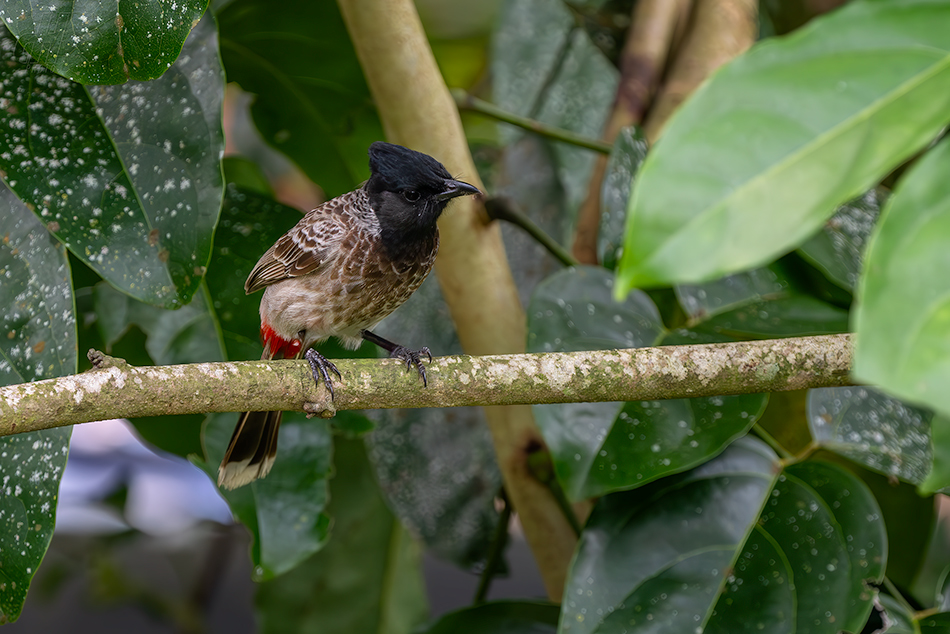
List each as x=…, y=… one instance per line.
x=405, y=245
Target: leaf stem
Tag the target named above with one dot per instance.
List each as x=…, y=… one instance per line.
x=894, y=592
x=504, y=209
x=495, y=550
x=770, y=440
x=467, y=101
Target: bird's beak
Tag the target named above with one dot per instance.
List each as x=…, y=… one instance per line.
x=454, y=189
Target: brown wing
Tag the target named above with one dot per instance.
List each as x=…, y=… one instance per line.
x=306, y=247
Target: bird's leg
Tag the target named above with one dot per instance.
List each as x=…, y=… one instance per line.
x=411, y=357
x=321, y=368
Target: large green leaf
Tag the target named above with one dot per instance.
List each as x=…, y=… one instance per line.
x=498, y=617
x=737, y=544
x=602, y=447
x=128, y=177
x=902, y=319
x=37, y=341
x=367, y=579
x=103, y=42
x=312, y=102
x=760, y=156
x=758, y=304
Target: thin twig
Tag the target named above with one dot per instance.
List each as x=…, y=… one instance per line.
x=504, y=209
x=892, y=589
x=466, y=101
x=770, y=440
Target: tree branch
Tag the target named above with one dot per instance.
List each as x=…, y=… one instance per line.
x=120, y=390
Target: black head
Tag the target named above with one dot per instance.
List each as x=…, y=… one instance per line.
x=408, y=191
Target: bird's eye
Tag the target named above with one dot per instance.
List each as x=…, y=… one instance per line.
x=411, y=195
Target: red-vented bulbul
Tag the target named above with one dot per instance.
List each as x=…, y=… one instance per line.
x=343, y=268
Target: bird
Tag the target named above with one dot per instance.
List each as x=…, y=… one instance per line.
x=338, y=272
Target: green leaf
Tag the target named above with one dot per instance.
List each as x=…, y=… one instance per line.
x=640, y=548
x=736, y=544
x=792, y=316
x=37, y=341
x=128, y=177
x=935, y=623
x=250, y=223
x=760, y=155
x=910, y=521
x=544, y=66
x=837, y=250
x=902, y=318
x=626, y=157
x=368, y=578
x=939, y=476
x=761, y=303
x=312, y=102
x=285, y=511
x=873, y=429
x=103, y=42
x=602, y=447
x=498, y=617
x=703, y=301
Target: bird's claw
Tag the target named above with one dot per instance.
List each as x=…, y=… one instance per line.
x=413, y=358
x=321, y=367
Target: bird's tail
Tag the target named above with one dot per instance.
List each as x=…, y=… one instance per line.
x=252, y=449
x=253, y=445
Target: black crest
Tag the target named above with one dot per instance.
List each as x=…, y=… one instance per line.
x=398, y=168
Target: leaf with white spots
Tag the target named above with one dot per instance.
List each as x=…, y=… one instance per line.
x=103, y=42
x=603, y=447
x=737, y=544
x=128, y=177
x=875, y=430
x=626, y=157
x=37, y=341
x=838, y=248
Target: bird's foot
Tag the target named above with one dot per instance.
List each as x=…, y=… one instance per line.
x=321, y=368
x=413, y=358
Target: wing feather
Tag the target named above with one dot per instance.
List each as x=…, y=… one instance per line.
x=309, y=245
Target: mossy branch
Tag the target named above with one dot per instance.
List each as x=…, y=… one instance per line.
x=119, y=390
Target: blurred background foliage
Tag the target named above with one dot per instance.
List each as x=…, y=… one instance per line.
x=132, y=216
